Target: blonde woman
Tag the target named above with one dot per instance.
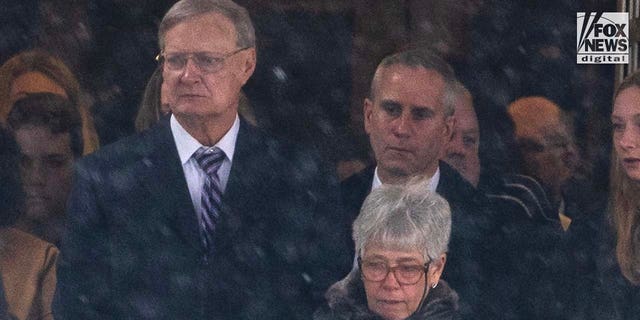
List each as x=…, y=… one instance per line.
x=608, y=247
x=625, y=176
x=38, y=71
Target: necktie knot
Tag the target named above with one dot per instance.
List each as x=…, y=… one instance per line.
x=209, y=159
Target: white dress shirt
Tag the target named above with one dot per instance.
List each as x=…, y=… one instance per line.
x=432, y=182
x=195, y=176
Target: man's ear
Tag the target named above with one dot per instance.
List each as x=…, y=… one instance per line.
x=249, y=64
x=367, y=113
x=449, y=126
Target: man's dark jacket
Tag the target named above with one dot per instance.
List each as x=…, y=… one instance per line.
x=132, y=248
x=472, y=260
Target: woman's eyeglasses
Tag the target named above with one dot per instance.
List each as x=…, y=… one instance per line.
x=377, y=271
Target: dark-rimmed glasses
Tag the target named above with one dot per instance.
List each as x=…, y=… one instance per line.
x=207, y=62
x=376, y=271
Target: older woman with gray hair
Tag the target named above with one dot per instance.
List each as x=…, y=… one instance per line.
x=401, y=238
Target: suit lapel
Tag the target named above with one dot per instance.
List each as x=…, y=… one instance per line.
x=163, y=176
x=446, y=185
x=249, y=167
x=243, y=205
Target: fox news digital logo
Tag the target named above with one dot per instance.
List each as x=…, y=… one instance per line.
x=603, y=38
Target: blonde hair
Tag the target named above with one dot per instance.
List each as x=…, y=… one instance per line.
x=54, y=69
x=150, y=109
x=625, y=207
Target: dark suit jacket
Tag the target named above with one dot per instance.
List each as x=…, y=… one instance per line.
x=471, y=261
x=132, y=249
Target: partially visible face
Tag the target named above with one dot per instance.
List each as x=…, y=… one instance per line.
x=462, y=151
x=190, y=92
x=46, y=167
x=388, y=298
x=32, y=82
x=625, y=120
x=546, y=144
x=406, y=122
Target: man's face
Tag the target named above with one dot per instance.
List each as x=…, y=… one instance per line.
x=193, y=92
x=46, y=167
x=546, y=145
x=462, y=151
x=406, y=123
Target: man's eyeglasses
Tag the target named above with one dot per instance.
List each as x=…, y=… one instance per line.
x=377, y=271
x=207, y=62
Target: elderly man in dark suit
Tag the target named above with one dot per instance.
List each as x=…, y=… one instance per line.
x=203, y=216
x=409, y=117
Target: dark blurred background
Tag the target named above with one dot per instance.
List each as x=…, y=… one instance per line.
x=317, y=57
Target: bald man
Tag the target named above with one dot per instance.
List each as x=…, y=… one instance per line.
x=523, y=196
x=546, y=144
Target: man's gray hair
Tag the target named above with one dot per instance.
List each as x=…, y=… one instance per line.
x=187, y=9
x=404, y=217
x=426, y=59
x=458, y=90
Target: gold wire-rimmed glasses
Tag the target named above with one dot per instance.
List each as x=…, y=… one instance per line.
x=207, y=62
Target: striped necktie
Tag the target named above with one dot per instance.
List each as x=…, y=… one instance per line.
x=210, y=160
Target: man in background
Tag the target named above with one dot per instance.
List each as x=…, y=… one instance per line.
x=463, y=149
x=549, y=154
x=537, y=268
x=409, y=119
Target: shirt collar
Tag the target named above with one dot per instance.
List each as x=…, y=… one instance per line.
x=187, y=145
x=432, y=182
x=376, y=180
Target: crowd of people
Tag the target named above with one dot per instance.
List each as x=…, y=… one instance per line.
x=202, y=214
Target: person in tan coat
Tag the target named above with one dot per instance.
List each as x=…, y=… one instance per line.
x=28, y=267
x=27, y=264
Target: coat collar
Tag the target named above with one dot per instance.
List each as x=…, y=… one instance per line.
x=347, y=298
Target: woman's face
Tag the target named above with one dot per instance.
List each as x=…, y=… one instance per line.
x=625, y=121
x=388, y=297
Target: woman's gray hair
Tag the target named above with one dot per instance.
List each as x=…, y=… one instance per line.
x=404, y=217
x=187, y=9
